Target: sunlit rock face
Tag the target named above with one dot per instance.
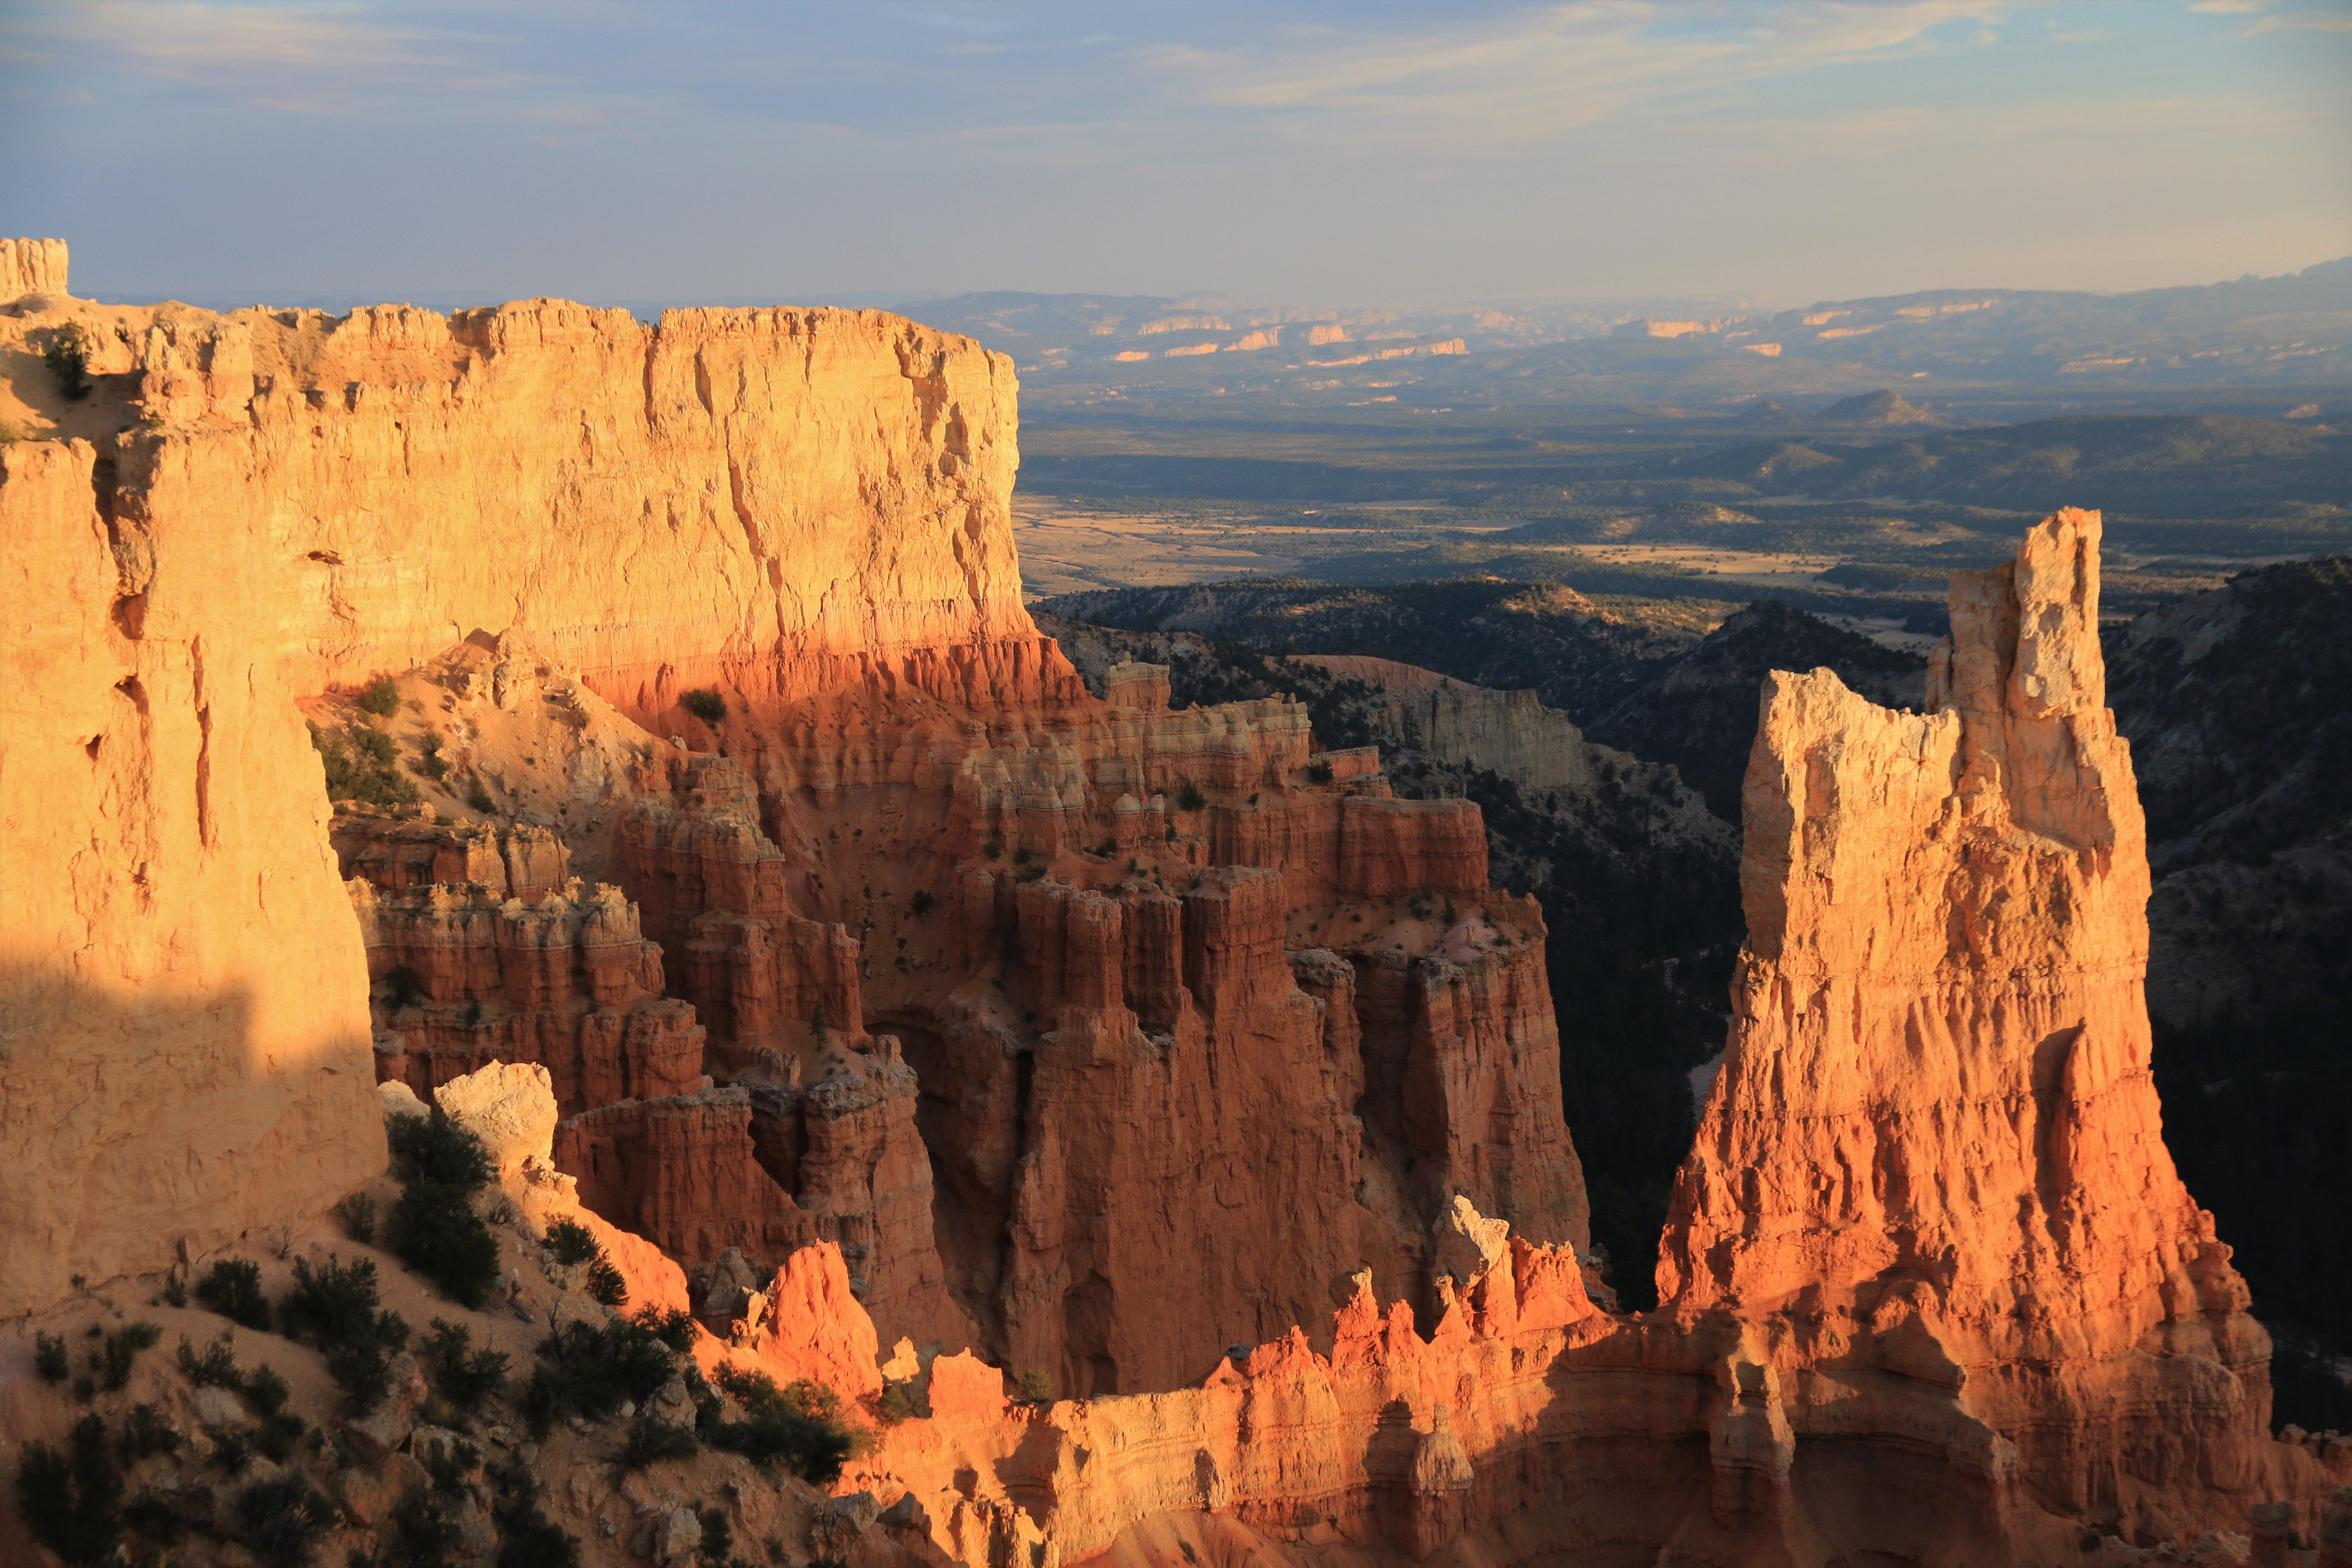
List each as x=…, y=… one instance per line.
x=896, y=938
x=1932, y=1171
x=788, y=903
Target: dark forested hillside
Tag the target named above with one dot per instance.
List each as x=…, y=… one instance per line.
x=2239, y=707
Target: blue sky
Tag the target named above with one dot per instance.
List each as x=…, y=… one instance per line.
x=1369, y=152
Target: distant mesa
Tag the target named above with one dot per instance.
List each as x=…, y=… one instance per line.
x=1879, y=409
x=1185, y=324
x=1769, y=351
x=1194, y=349
x=1129, y=356
x=1318, y=336
x=1645, y=327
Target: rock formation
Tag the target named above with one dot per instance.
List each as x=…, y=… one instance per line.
x=480, y=948
x=1510, y=732
x=1931, y=1170
x=1086, y=920
x=910, y=991
x=184, y=1025
x=32, y=267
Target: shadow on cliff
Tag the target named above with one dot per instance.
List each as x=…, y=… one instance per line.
x=139, y=1128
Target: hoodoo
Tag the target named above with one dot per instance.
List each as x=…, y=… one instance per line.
x=1932, y=1170
x=716, y=836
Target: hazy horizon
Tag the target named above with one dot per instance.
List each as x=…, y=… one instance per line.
x=1377, y=155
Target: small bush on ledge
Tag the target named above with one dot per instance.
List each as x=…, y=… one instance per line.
x=233, y=1288
x=706, y=705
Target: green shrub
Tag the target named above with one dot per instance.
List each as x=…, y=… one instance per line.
x=436, y=1231
x=605, y=1283
x=590, y=1370
x=335, y=1308
x=335, y=1303
x=571, y=1243
x=71, y=1502
x=267, y=1390
x=717, y=1534
x=174, y=1292
x=276, y=1434
x=356, y=1213
x=145, y=1433
x=675, y=1327
x=1036, y=1388
x=233, y=1288
x=527, y=1537
x=920, y=904
x=1318, y=772
x=284, y=1519
x=380, y=697
x=214, y=1367
x=480, y=799
x=429, y=760
x=649, y=1442
x=1190, y=798
x=49, y=1359
x=67, y=357
x=232, y=1452
x=706, y=705
x=123, y=1348
x=464, y=1375
x=365, y=774
x=800, y=1426
x=434, y=1228
x=895, y=1405
x=432, y=1148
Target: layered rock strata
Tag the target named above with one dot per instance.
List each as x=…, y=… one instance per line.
x=481, y=947
x=1933, y=1292
x=1149, y=975
x=1931, y=1173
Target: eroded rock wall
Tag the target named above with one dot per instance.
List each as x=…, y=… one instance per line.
x=1932, y=1168
x=184, y=1024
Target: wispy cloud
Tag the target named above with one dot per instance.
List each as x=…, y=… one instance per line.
x=2327, y=19
x=318, y=59
x=1536, y=74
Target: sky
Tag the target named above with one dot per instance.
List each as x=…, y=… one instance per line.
x=1325, y=152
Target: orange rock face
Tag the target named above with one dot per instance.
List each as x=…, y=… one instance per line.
x=1932, y=1170
x=481, y=948
x=184, y=1025
x=1095, y=1036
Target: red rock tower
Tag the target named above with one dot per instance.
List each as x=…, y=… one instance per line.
x=1932, y=1173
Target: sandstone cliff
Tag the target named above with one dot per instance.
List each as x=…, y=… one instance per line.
x=1147, y=974
x=184, y=1025
x=1931, y=1170
x=32, y=267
